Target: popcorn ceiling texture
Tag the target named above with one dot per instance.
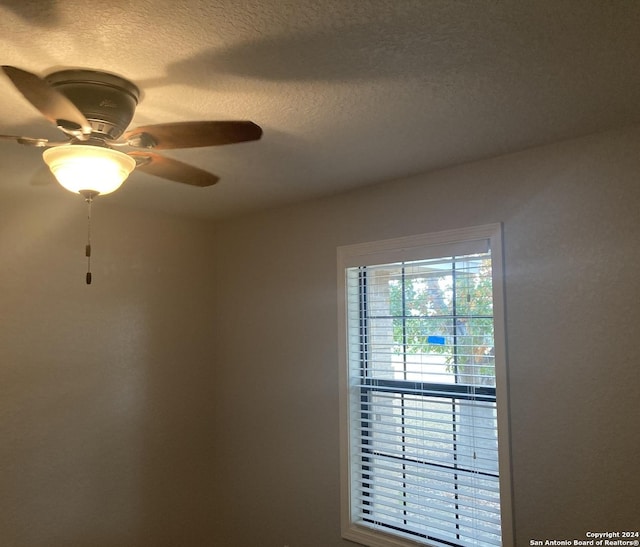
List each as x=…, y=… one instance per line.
x=348, y=93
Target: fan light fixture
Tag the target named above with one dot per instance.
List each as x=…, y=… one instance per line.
x=89, y=169
x=86, y=164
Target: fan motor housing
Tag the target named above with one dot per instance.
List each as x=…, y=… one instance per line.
x=107, y=101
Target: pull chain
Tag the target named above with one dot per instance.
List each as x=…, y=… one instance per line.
x=88, y=198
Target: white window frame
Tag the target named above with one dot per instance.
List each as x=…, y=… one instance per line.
x=406, y=249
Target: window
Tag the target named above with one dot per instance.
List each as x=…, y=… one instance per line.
x=423, y=391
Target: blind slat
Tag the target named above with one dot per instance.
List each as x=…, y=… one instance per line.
x=435, y=478
x=413, y=513
x=437, y=523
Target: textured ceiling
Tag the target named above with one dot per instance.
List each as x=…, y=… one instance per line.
x=348, y=92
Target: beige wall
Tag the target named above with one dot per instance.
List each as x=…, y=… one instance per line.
x=189, y=397
x=104, y=398
x=571, y=223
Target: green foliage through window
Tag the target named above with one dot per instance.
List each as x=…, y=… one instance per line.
x=446, y=309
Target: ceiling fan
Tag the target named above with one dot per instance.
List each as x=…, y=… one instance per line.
x=94, y=109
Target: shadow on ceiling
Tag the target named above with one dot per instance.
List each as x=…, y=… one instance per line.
x=342, y=54
x=43, y=13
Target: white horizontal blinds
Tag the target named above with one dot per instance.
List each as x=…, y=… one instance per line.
x=421, y=365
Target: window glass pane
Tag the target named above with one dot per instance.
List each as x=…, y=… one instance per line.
x=425, y=434
x=431, y=321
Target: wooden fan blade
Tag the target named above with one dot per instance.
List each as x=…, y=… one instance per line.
x=29, y=141
x=52, y=105
x=192, y=134
x=170, y=169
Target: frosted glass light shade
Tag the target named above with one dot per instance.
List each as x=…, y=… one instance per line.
x=95, y=169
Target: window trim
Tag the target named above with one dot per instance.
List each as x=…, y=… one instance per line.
x=406, y=249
